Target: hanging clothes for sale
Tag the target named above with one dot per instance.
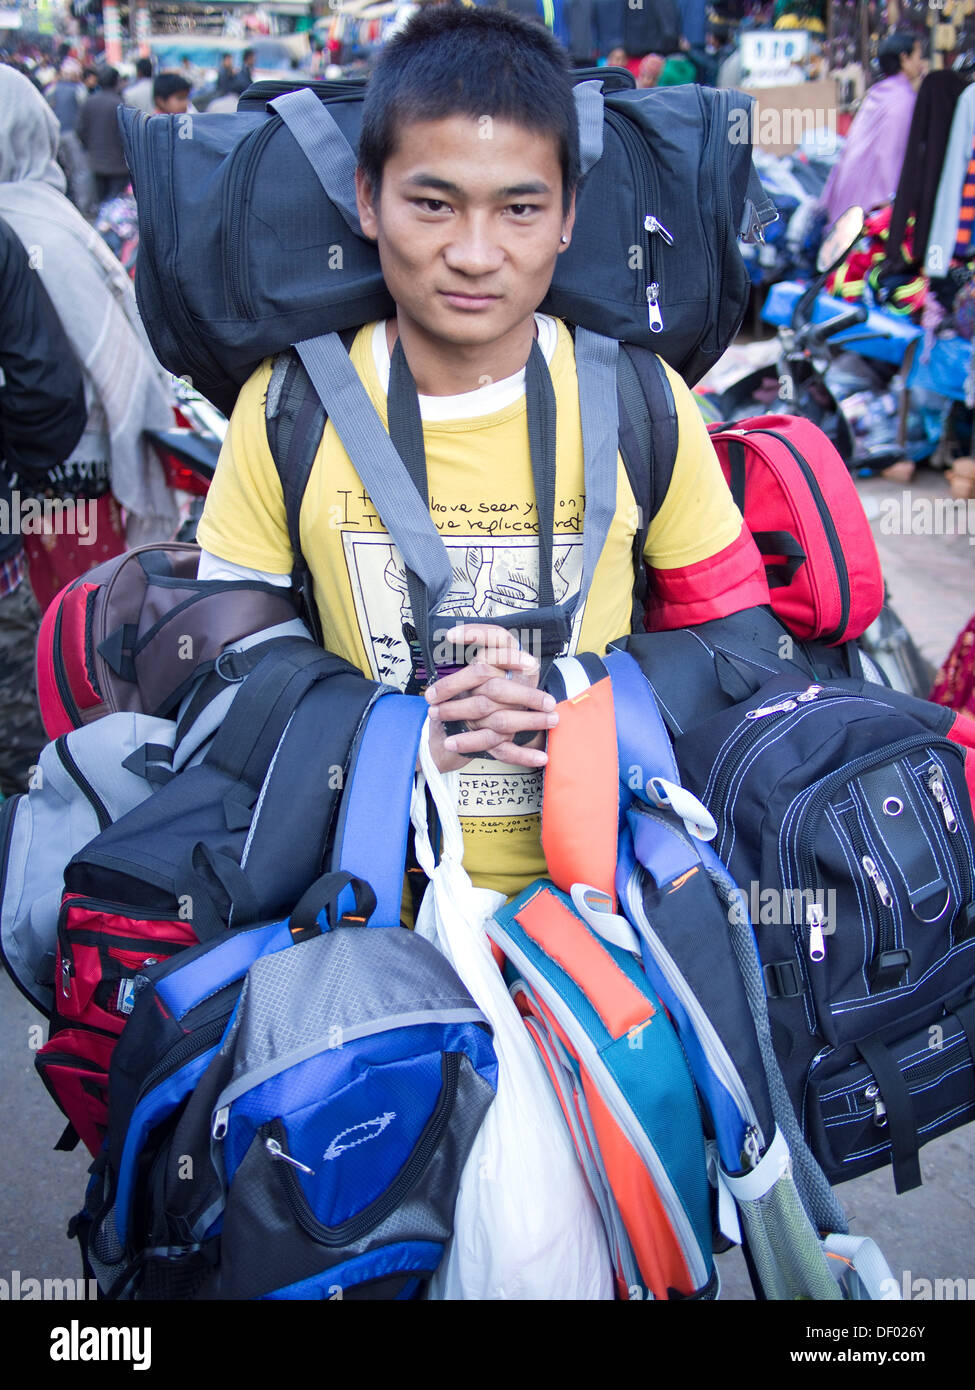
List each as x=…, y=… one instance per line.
x=927, y=142
x=956, y=172
x=869, y=169
x=868, y=271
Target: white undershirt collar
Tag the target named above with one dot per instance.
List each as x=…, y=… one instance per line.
x=498, y=395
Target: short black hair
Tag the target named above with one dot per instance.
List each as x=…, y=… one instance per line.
x=893, y=48
x=248, y=53
x=169, y=84
x=108, y=78
x=143, y=67
x=449, y=61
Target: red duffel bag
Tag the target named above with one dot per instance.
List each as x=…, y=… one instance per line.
x=802, y=507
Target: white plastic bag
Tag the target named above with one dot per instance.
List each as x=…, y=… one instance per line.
x=525, y=1225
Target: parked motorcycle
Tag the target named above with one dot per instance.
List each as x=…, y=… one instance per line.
x=189, y=451
x=805, y=377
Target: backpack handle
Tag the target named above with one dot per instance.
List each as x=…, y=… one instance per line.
x=323, y=896
x=589, y=111
x=325, y=147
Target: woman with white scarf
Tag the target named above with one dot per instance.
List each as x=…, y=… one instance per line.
x=127, y=391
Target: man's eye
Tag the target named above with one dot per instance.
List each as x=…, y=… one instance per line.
x=432, y=205
x=522, y=209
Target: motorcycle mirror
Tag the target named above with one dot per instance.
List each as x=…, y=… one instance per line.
x=840, y=240
x=836, y=245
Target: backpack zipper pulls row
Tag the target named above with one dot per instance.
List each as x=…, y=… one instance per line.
x=654, y=316
x=936, y=786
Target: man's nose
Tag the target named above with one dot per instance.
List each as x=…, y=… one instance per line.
x=474, y=250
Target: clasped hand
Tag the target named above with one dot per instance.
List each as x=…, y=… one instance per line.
x=496, y=695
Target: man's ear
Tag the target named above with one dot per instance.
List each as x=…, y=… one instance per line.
x=366, y=204
x=568, y=222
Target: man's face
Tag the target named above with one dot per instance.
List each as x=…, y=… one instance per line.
x=469, y=224
x=912, y=66
x=176, y=105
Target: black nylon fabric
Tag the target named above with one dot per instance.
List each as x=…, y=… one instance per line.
x=236, y=218
x=147, y=856
x=826, y=805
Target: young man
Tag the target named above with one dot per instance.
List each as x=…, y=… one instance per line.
x=468, y=170
x=170, y=95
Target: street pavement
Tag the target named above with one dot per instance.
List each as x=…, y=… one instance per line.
x=928, y=1234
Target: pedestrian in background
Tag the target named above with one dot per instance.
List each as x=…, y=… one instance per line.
x=42, y=416
x=127, y=392
x=139, y=92
x=66, y=98
x=170, y=94
x=99, y=133
x=869, y=169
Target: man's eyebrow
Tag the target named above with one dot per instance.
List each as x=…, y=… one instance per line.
x=518, y=190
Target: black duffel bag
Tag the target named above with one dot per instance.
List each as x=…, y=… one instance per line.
x=243, y=252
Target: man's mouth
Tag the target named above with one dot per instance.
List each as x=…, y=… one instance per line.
x=463, y=299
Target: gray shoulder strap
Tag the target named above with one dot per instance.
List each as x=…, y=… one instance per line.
x=325, y=147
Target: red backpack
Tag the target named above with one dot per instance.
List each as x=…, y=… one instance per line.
x=135, y=632
x=802, y=507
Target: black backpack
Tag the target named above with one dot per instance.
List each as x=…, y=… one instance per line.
x=242, y=253
x=844, y=816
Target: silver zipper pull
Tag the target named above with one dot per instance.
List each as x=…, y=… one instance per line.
x=751, y=1150
x=817, y=940
x=763, y=710
x=872, y=1094
x=66, y=978
x=873, y=873
x=810, y=693
x=656, y=228
x=937, y=788
x=276, y=1151
x=220, y=1122
x=653, y=308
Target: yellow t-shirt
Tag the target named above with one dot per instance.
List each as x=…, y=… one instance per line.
x=482, y=501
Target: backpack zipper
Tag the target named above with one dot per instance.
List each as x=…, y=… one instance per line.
x=68, y=702
x=655, y=228
x=183, y=1051
x=274, y=1137
x=77, y=776
x=714, y=1050
x=749, y=735
x=820, y=794
x=829, y=530
x=931, y=1069
x=643, y=179
x=238, y=188
x=937, y=784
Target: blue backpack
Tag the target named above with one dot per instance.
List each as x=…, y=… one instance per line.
x=291, y=1104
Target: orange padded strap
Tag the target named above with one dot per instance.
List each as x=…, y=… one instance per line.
x=561, y=935
x=580, y=810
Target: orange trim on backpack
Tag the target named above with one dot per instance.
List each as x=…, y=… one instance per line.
x=616, y=999
x=580, y=808
x=656, y=1247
